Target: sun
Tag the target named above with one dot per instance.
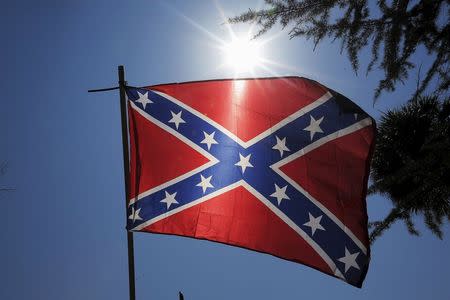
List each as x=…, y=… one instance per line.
x=242, y=55
x=242, y=52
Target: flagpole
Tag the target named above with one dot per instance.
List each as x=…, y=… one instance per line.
x=126, y=169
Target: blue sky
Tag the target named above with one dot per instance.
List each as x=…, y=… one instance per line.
x=63, y=231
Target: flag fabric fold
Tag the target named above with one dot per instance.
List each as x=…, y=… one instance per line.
x=275, y=165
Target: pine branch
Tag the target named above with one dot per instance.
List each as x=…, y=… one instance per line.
x=401, y=29
x=382, y=226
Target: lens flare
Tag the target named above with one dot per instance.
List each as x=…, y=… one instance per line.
x=242, y=55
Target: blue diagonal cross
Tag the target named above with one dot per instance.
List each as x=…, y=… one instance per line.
x=295, y=207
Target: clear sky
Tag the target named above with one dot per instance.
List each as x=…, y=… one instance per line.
x=63, y=234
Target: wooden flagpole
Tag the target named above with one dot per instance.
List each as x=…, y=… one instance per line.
x=126, y=170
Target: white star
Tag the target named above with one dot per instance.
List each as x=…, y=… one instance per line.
x=244, y=162
x=281, y=146
x=176, y=119
x=205, y=183
x=209, y=139
x=314, y=223
x=356, y=116
x=170, y=199
x=135, y=215
x=349, y=260
x=314, y=127
x=280, y=194
x=143, y=99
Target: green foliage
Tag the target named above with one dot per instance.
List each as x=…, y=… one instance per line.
x=411, y=164
x=394, y=32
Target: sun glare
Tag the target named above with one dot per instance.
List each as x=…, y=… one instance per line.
x=242, y=55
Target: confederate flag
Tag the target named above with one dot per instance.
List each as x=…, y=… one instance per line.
x=275, y=165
